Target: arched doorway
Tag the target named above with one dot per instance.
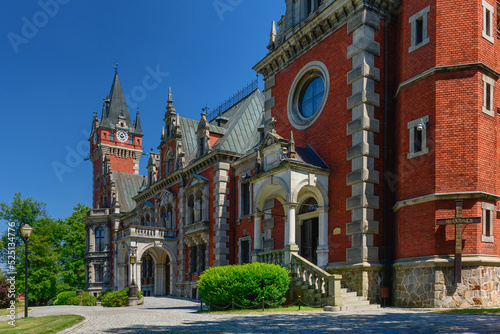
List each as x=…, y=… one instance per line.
x=155, y=272
x=309, y=232
x=147, y=275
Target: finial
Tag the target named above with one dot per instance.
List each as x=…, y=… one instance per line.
x=116, y=68
x=272, y=122
x=170, y=100
x=137, y=109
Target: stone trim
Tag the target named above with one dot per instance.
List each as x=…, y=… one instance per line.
x=448, y=260
x=425, y=37
x=445, y=196
x=448, y=68
x=412, y=126
x=488, y=10
x=491, y=82
x=363, y=152
x=487, y=236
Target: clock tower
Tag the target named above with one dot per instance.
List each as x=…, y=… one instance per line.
x=115, y=144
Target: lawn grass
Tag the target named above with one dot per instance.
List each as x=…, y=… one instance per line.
x=472, y=310
x=41, y=325
x=19, y=308
x=294, y=308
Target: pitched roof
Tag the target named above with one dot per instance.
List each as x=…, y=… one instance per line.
x=239, y=134
x=309, y=156
x=127, y=186
x=242, y=127
x=117, y=106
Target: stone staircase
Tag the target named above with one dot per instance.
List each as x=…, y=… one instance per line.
x=316, y=287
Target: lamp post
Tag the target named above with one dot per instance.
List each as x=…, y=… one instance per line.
x=132, y=290
x=26, y=233
x=78, y=273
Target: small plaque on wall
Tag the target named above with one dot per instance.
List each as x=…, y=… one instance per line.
x=336, y=231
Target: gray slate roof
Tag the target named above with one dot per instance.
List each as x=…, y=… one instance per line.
x=118, y=106
x=309, y=156
x=127, y=186
x=239, y=133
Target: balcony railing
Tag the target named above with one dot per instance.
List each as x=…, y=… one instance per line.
x=147, y=232
x=98, y=212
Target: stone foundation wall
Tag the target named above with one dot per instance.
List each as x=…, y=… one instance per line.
x=433, y=286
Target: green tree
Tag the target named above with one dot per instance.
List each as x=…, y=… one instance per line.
x=73, y=246
x=56, y=248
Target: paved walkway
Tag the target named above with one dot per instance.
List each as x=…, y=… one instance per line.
x=173, y=315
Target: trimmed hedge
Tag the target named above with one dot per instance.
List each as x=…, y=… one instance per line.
x=115, y=299
x=84, y=300
x=62, y=298
x=70, y=298
x=247, y=284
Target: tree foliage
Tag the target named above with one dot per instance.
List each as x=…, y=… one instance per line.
x=55, y=249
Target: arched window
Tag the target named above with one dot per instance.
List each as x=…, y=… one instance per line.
x=191, y=210
x=97, y=181
x=143, y=222
x=99, y=239
x=198, y=206
x=170, y=217
x=309, y=205
x=148, y=220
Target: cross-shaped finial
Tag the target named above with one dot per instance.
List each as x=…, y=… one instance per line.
x=272, y=122
x=116, y=68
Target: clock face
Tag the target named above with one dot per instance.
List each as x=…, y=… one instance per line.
x=122, y=136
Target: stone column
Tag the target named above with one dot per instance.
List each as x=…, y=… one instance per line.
x=91, y=238
x=257, y=232
x=290, y=220
x=322, y=250
x=257, y=235
x=221, y=214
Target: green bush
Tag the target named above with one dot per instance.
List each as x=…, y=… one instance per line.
x=247, y=284
x=62, y=298
x=84, y=300
x=104, y=293
x=115, y=299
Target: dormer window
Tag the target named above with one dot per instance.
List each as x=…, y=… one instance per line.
x=312, y=5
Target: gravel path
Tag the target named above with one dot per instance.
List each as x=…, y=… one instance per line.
x=175, y=315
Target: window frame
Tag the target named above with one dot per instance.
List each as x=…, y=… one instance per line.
x=488, y=13
x=423, y=16
x=412, y=127
x=302, y=80
x=487, y=222
x=488, y=89
x=99, y=239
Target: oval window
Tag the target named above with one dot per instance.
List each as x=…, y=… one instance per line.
x=308, y=95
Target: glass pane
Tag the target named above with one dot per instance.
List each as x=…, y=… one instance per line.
x=312, y=98
x=319, y=86
x=307, y=109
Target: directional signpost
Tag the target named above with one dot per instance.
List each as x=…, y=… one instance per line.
x=458, y=221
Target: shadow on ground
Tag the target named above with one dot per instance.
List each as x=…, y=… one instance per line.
x=382, y=322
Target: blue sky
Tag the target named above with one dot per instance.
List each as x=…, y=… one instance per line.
x=57, y=65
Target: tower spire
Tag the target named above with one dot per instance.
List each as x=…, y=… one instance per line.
x=138, y=128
